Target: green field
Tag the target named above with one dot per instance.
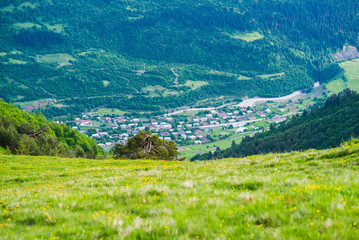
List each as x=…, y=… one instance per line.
x=299, y=195
x=336, y=86
x=248, y=37
x=192, y=150
x=195, y=84
x=271, y=75
x=15, y=61
x=109, y=111
x=351, y=74
x=55, y=58
x=26, y=25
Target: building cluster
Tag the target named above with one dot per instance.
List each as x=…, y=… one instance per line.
x=186, y=128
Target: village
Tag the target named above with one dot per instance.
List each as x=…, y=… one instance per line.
x=187, y=126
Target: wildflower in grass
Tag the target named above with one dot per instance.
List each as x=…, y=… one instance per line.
x=311, y=224
x=165, y=227
x=354, y=224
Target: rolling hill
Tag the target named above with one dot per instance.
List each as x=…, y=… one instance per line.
x=93, y=53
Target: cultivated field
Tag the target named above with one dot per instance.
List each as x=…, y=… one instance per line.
x=313, y=195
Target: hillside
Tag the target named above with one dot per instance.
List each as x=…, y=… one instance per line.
x=323, y=127
x=30, y=134
x=312, y=194
x=88, y=54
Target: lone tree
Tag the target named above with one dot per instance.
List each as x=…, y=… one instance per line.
x=146, y=145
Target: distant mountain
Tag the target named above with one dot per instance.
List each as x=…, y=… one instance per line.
x=324, y=127
x=30, y=134
x=155, y=55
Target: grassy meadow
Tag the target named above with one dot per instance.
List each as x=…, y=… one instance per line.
x=312, y=194
x=351, y=75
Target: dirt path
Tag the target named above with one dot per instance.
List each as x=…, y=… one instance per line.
x=176, y=80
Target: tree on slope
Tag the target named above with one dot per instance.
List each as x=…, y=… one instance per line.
x=146, y=145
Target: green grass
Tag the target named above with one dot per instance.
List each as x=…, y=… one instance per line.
x=299, y=195
x=22, y=104
x=26, y=25
x=195, y=84
x=248, y=37
x=109, y=111
x=2, y=150
x=271, y=75
x=228, y=74
x=105, y=83
x=351, y=74
x=56, y=27
x=9, y=8
x=192, y=150
x=336, y=86
x=55, y=58
x=15, y=61
x=27, y=4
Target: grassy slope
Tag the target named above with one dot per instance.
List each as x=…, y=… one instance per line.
x=311, y=194
x=352, y=75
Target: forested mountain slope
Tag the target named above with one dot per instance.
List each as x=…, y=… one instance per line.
x=324, y=127
x=29, y=134
x=93, y=53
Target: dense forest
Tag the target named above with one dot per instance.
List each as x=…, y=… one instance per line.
x=323, y=127
x=31, y=134
x=93, y=53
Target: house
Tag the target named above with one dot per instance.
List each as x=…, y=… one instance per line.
x=135, y=120
x=205, y=124
x=192, y=137
x=231, y=120
x=184, y=136
x=241, y=129
x=199, y=135
x=120, y=119
x=252, y=117
x=195, y=120
x=243, y=109
x=277, y=120
x=197, y=131
x=198, y=142
x=261, y=114
x=205, y=140
x=108, y=119
x=204, y=119
x=268, y=110
x=167, y=139
x=208, y=116
x=165, y=134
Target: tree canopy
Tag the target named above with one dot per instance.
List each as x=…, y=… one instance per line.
x=146, y=145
